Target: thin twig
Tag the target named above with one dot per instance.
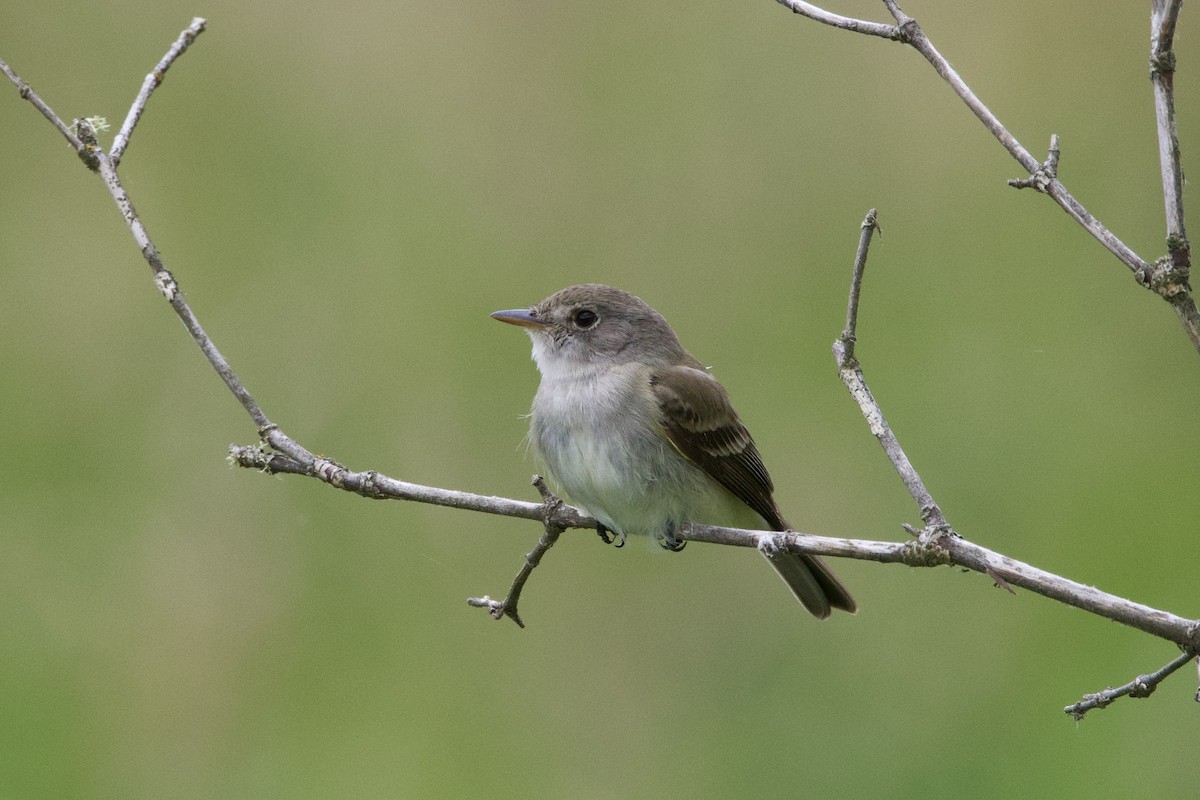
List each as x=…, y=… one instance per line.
x=852, y=376
x=27, y=93
x=169, y=287
x=508, y=606
x=1141, y=686
x=845, y=23
x=849, y=334
x=153, y=79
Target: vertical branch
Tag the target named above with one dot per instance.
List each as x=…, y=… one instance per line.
x=1170, y=275
x=870, y=224
x=852, y=376
x=1163, y=17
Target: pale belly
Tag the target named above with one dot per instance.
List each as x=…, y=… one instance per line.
x=605, y=451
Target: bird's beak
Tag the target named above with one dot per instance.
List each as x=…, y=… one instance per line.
x=519, y=316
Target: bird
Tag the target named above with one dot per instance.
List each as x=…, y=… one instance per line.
x=637, y=432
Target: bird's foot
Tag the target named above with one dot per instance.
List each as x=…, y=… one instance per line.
x=608, y=536
x=669, y=542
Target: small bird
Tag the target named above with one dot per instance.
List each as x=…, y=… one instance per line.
x=636, y=431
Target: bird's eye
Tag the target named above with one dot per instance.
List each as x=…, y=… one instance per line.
x=584, y=318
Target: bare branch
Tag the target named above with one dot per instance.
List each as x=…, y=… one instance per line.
x=1170, y=275
x=845, y=23
x=1162, y=75
x=946, y=548
x=913, y=35
x=169, y=287
x=932, y=550
x=852, y=376
x=849, y=335
x=27, y=93
x=939, y=542
x=1141, y=686
x=369, y=483
x=150, y=84
x=508, y=606
x=1168, y=279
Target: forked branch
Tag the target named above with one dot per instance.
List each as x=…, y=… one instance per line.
x=1167, y=276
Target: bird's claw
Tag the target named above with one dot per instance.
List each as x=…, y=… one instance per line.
x=668, y=542
x=608, y=536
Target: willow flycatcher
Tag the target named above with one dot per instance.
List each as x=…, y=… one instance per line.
x=636, y=431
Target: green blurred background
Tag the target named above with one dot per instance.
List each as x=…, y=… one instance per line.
x=345, y=191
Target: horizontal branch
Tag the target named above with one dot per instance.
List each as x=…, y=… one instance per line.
x=945, y=550
x=845, y=23
x=378, y=486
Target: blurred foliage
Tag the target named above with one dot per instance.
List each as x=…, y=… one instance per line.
x=346, y=190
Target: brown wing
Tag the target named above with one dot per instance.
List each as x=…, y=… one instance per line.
x=702, y=425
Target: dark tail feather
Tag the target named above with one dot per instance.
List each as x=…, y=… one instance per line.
x=812, y=582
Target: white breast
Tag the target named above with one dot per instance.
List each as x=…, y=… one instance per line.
x=599, y=436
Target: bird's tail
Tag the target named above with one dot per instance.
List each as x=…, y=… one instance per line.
x=813, y=583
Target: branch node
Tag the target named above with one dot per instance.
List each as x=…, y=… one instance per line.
x=1179, y=250
x=1142, y=687
x=166, y=284
x=85, y=130
x=368, y=487
x=1192, y=638
x=907, y=30
x=552, y=506
x=922, y=554
x=1047, y=172
x=1097, y=700
x=772, y=544
x=1164, y=277
x=331, y=472
x=1162, y=63
x=496, y=608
